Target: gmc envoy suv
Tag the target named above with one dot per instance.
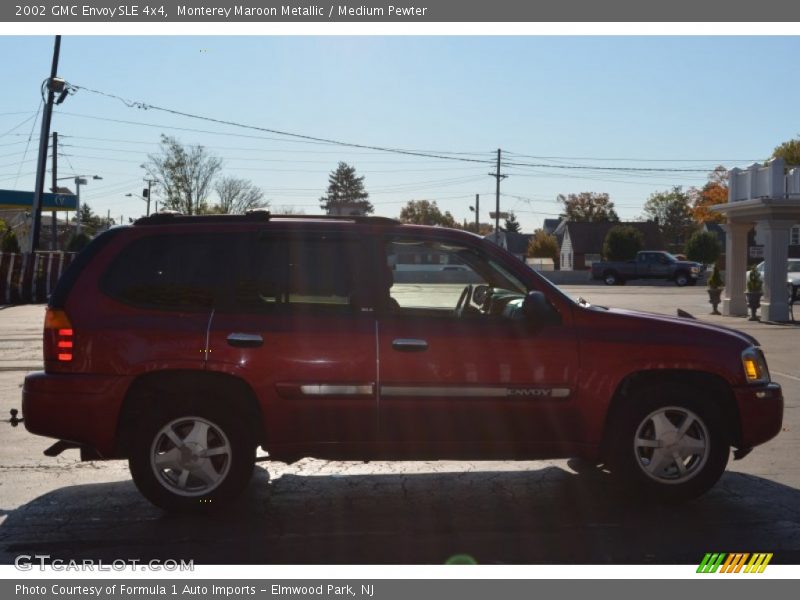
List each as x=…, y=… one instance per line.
x=182, y=343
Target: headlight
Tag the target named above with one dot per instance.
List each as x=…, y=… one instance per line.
x=755, y=365
x=695, y=269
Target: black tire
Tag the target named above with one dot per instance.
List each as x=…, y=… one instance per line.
x=211, y=481
x=682, y=278
x=632, y=462
x=611, y=278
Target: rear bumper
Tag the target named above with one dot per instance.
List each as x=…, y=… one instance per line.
x=83, y=409
x=760, y=413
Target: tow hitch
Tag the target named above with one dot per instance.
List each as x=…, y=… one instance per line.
x=14, y=420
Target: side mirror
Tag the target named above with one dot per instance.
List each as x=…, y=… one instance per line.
x=539, y=311
x=479, y=294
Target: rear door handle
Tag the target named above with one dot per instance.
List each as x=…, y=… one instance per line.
x=245, y=340
x=409, y=345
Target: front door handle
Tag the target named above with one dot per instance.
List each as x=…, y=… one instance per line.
x=245, y=340
x=409, y=345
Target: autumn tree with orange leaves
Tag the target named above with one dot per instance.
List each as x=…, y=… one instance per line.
x=714, y=192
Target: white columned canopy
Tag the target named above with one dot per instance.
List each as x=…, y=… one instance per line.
x=769, y=198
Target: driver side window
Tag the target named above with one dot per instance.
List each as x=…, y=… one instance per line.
x=440, y=279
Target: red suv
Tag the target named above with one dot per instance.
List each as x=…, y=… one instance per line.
x=183, y=343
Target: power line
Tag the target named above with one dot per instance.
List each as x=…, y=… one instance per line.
x=12, y=143
x=310, y=138
x=6, y=177
x=447, y=155
x=596, y=168
x=18, y=125
x=698, y=160
x=242, y=148
x=268, y=160
x=15, y=163
x=28, y=142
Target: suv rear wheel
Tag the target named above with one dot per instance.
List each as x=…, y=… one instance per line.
x=191, y=457
x=671, y=443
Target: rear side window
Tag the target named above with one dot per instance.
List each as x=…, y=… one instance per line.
x=311, y=271
x=58, y=299
x=171, y=272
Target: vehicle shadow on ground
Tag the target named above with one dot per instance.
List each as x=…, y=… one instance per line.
x=548, y=515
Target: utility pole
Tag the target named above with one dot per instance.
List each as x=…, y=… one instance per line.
x=478, y=214
x=47, y=114
x=498, y=177
x=108, y=219
x=54, y=241
x=146, y=194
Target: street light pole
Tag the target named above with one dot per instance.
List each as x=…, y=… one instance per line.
x=150, y=183
x=78, y=182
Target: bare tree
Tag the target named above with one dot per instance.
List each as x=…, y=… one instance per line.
x=237, y=196
x=184, y=175
x=288, y=209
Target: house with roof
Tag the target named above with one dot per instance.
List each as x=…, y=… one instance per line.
x=516, y=243
x=582, y=242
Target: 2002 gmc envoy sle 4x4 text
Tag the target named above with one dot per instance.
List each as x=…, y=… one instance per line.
x=184, y=343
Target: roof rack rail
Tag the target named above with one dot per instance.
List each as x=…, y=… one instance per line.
x=354, y=218
x=176, y=218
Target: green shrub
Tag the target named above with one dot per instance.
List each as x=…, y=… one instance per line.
x=78, y=242
x=9, y=242
x=703, y=247
x=716, y=281
x=622, y=243
x=754, y=282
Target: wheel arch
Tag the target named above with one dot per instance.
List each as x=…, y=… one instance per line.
x=147, y=392
x=717, y=388
x=681, y=273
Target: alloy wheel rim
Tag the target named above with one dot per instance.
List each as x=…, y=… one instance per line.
x=671, y=445
x=190, y=456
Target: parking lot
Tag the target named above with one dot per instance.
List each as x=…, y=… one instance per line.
x=317, y=511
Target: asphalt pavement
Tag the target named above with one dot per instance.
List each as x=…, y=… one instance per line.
x=316, y=511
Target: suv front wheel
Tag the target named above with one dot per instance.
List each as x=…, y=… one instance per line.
x=670, y=442
x=191, y=458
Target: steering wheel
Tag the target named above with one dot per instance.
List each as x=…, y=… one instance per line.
x=464, y=300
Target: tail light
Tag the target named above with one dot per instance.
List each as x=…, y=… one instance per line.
x=59, y=337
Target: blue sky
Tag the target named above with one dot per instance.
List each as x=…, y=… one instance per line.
x=645, y=102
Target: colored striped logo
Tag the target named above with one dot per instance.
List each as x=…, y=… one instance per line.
x=735, y=562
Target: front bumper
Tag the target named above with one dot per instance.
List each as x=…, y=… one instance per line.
x=760, y=413
x=83, y=409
